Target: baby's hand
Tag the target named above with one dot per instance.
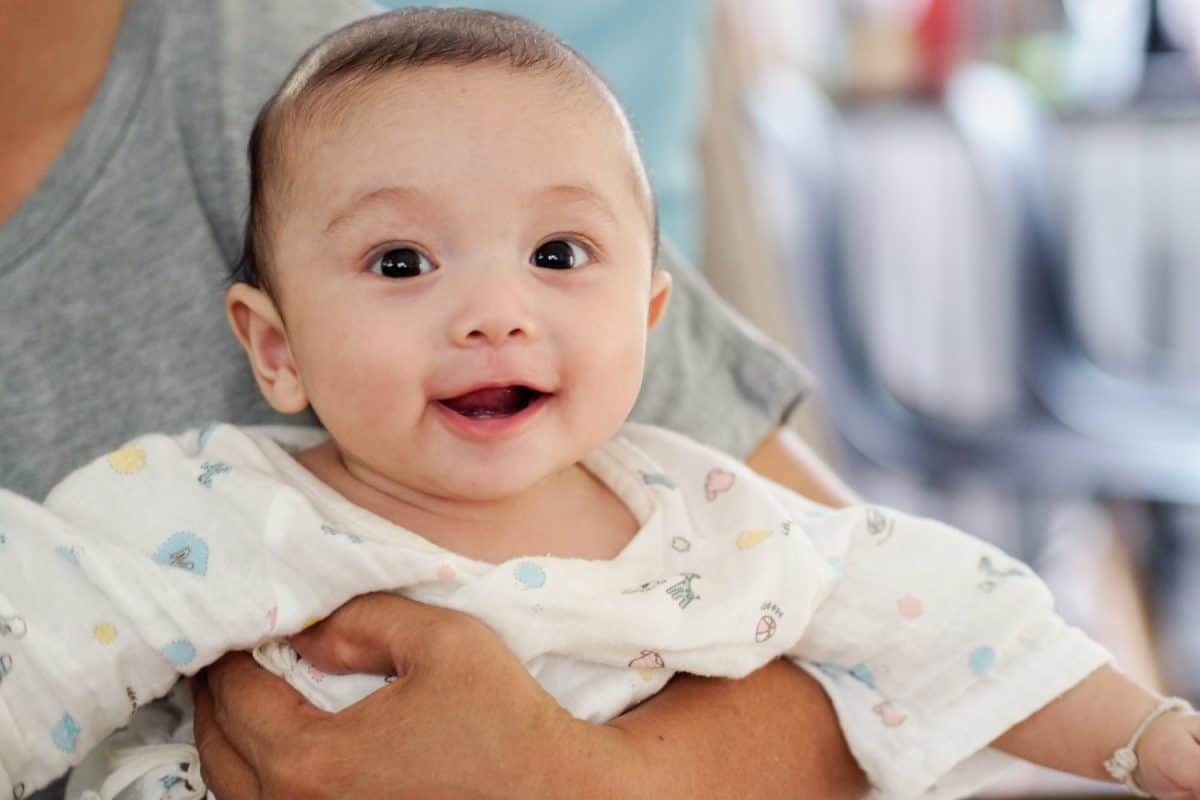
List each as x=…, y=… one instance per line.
x=1169, y=758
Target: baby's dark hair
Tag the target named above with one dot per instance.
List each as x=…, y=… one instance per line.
x=405, y=39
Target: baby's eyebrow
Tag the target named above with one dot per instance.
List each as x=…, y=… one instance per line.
x=582, y=193
x=392, y=194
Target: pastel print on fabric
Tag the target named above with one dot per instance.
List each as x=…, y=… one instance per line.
x=648, y=586
x=65, y=734
x=647, y=660
x=69, y=554
x=210, y=470
x=910, y=606
x=767, y=624
x=981, y=660
x=765, y=628
x=530, y=575
x=717, y=482
x=184, y=550
x=104, y=633
x=179, y=652
x=127, y=460
x=353, y=538
x=206, y=434
x=890, y=715
x=749, y=539
x=879, y=525
x=682, y=592
x=657, y=479
x=993, y=576
x=12, y=626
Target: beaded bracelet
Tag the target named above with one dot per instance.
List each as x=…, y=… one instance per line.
x=1125, y=761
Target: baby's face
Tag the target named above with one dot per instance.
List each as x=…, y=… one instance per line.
x=420, y=259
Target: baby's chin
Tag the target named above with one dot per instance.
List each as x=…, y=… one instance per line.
x=488, y=485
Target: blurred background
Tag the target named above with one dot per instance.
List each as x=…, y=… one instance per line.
x=976, y=221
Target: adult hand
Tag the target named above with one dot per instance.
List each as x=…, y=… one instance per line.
x=462, y=719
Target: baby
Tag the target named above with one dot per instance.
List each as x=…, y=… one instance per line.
x=449, y=258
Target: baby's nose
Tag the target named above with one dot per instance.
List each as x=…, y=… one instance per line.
x=493, y=315
x=490, y=331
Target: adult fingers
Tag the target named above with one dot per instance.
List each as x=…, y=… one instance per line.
x=383, y=634
x=225, y=772
x=255, y=709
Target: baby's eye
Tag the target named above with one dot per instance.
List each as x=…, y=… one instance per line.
x=402, y=262
x=559, y=254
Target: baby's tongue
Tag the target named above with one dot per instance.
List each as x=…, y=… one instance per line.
x=497, y=402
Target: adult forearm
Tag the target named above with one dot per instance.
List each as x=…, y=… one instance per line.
x=785, y=458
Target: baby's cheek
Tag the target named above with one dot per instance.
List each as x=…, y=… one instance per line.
x=365, y=377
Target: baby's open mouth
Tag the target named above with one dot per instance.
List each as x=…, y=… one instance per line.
x=498, y=401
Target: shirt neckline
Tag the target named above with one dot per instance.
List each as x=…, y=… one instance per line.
x=618, y=464
x=93, y=141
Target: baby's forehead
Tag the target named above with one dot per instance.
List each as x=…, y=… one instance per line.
x=332, y=102
x=335, y=109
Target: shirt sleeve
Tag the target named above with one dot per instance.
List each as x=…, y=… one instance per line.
x=710, y=374
x=74, y=662
x=145, y=565
x=931, y=645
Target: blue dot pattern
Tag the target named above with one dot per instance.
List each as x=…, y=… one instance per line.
x=530, y=575
x=66, y=734
x=179, y=652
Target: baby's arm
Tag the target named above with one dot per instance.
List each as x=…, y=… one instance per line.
x=965, y=638
x=932, y=645
x=74, y=662
x=142, y=566
x=108, y=593
x=1082, y=729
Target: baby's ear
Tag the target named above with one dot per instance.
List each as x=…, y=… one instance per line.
x=258, y=326
x=660, y=292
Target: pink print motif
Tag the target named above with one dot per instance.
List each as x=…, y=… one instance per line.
x=314, y=673
x=273, y=616
x=718, y=481
x=889, y=715
x=648, y=660
x=910, y=606
x=445, y=573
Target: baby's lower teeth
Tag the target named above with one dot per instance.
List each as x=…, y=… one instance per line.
x=485, y=413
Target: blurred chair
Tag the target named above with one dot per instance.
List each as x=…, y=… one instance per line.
x=1002, y=127
x=1073, y=430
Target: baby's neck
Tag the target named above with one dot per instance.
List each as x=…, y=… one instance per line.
x=569, y=515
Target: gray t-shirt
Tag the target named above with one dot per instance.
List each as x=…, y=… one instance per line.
x=111, y=273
